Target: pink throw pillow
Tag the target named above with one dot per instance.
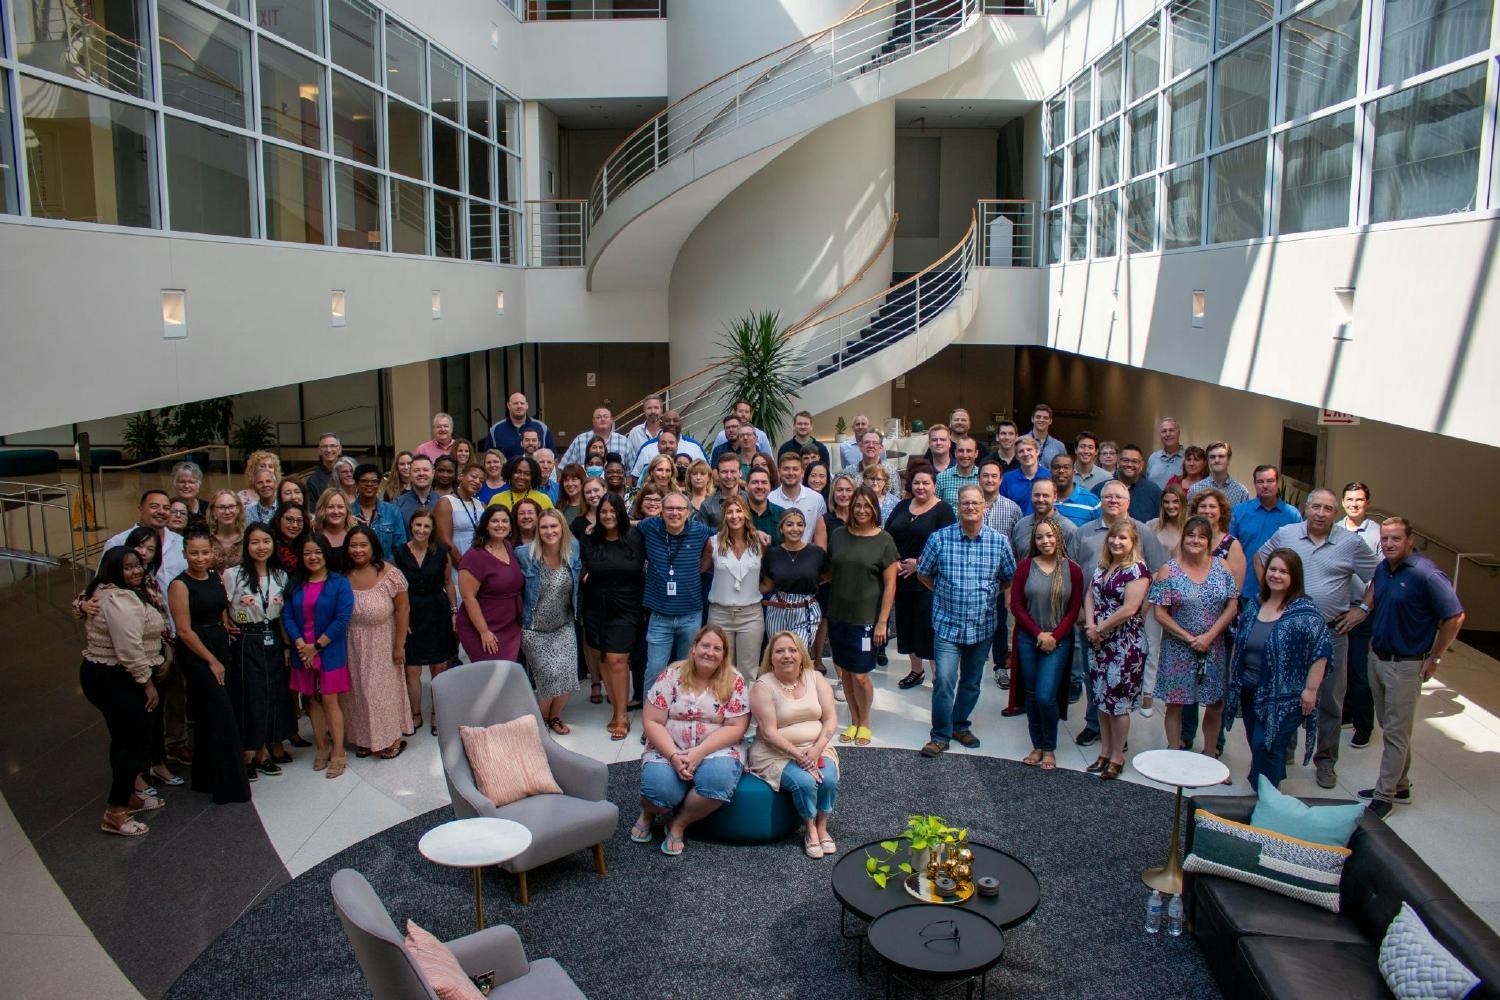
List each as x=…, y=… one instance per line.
x=508, y=761
x=439, y=965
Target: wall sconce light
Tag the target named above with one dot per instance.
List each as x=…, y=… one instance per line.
x=336, y=303
x=500, y=303
x=1343, y=313
x=494, y=35
x=174, y=314
x=1200, y=307
x=308, y=92
x=437, y=304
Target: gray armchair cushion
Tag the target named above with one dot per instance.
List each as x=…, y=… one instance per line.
x=545, y=981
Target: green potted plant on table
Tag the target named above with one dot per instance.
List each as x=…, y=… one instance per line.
x=923, y=833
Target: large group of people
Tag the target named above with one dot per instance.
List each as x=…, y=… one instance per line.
x=702, y=585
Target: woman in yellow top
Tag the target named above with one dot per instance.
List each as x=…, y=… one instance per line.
x=521, y=474
x=795, y=720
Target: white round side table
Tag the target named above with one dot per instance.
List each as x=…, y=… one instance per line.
x=1184, y=769
x=474, y=843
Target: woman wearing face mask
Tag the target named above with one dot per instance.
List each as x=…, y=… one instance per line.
x=790, y=574
x=316, y=618
x=551, y=569
x=423, y=560
x=1117, y=643
x=490, y=585
x=614, y=571
x=200, y=611
x=256, y=589
x=376, y=715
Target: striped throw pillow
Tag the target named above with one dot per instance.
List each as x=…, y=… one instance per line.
x=1273, y=861
x=508, y=761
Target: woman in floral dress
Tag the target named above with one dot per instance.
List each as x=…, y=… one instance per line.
x=1117, y=642
x=376, y=713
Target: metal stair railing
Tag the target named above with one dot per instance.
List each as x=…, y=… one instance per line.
x=555, y=231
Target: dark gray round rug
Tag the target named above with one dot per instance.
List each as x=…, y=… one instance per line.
x=728, y=922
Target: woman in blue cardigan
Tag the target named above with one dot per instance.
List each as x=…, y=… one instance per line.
x=316, y=617
x=1281, y=648
x=549, y=604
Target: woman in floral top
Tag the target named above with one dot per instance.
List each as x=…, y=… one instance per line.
x=696, y=715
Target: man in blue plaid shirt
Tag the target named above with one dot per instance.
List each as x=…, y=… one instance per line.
x=965, y=565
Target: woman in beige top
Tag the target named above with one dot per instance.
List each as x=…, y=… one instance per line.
x=795, y=718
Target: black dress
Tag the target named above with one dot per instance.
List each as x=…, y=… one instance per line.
x=218, y=762
x=914, y=601
x=430, y=637
x=614, y=582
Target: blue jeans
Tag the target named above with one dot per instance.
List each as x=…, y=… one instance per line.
x=1000, y=645
x=715, y=779
x=1272, y=762
x=811, y=797
x=1080, y=675
x=955, y=689
x=1042, y=673
x=668, y=639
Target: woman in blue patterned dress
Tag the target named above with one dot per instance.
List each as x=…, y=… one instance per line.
x=1117, y=642
x=1196, y=598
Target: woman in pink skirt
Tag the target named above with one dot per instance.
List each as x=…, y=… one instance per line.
x=376, y=712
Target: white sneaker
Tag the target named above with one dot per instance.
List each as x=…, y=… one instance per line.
x=1146, y=711
x=838, y=693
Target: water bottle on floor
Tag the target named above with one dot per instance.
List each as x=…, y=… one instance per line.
x=1153, y=912
x=1174, y=916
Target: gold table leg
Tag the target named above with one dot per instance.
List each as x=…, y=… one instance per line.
x=1168, y=878
x=479, y=898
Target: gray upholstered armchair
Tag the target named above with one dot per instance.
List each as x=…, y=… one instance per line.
x=391, y=973
x=493, y=691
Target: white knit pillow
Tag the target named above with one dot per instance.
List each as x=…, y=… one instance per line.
x=1416, y=967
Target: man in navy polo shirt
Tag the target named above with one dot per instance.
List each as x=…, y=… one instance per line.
x=1416, y=618
x=674, y=585
x=506, y=434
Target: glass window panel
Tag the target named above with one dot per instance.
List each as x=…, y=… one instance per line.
x=1189, y=104
x=1143, y=139
x=1242, y=91
x=1145, y=60
x=353, y=29
x=239, y=7
x=1057, y=122
x=1182, y=225
x=1317, y=164
x=291, y=105
x=356, y=120
x=447, y=81
x=1078, y=230
x=481, y=231
x=1110, y=83
x=1319, y=57
x=1109, y=154
x=507, y=236
x=408, y=217
x=357, y=207
x=1238, y=185
x=103, y=43
x=1237, y=18
x=205, y=63
x=1081, y=167
x=88, y=158
x=1424, y=34
x=448, y=224
x=1055, y=171
x=508, y=121
x=446, y=155
x=406, y=130
x=294, y=195
x=1140, y=216
x=210, y=180
x=1189, y=34
x=1427, y=148
x=477, y=99
x=1107, y=224
x=298, y=21
x=510, y=179
x=1081, y=97
x=480, y=152
x=10, y=199
x=405, y=69
x=1054, y=236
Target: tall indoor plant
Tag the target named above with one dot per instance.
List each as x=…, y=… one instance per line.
x=760, y=365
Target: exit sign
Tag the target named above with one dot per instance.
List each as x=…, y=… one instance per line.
x=1334, y=418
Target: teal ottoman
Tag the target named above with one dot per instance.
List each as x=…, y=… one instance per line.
x=756, y=815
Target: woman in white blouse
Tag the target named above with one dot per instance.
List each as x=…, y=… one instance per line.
x=734, y=596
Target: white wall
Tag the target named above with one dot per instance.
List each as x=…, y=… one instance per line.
x=966, y=173
x=563, y=311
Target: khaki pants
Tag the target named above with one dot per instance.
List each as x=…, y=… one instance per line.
x=1396, y=685
x=746, y=626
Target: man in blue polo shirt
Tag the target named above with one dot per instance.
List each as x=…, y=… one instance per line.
x=674, y=585
x=1416, y=618
x=1016, y=484
x=1074, y=502
x=506, y=434
x=1253, y=522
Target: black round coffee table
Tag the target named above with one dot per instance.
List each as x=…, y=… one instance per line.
x=937, y=942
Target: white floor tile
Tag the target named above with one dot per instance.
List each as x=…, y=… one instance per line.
x=364, y=812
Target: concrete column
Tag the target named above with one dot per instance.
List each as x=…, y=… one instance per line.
x=416, y=394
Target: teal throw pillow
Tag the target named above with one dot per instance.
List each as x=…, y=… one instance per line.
x=1331, y=825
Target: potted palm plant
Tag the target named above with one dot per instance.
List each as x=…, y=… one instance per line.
x=760, y=366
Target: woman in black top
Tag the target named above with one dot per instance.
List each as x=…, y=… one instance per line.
x=429, y=591
x=789, y=577
x=614, y=564
x=910, y=524
x=200, y=609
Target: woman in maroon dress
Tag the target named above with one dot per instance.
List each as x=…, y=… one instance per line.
x=490, y=585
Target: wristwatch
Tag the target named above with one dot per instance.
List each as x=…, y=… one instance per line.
x=1363, y=607
x=1437, y=660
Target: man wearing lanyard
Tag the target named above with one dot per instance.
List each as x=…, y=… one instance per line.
x=674, y=584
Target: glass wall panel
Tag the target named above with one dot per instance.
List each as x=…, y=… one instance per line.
x=408, y=217
x=103, y=42
x=10, y=198
x=447, y=83
x=1319, y=57
x=1237, y=18
x=1054, y=236
x=508, y=121
x=1237, y=183
x=239, y=7
x=479, y=107
x=1109, y=154
x=1143, y=139
x=1081, y=97
x=481, y=231
x=448, y=224
x=299, y=22
x=294, y=195
x=1107, y=224
x=356, y=120
x=1242, y=91
x=1427, y=148
x=508, y=236
x=447, y=155
x=1182, y=225
x=1080, y=160
x=291, y=96
x=1317, y=164
x=1189, y=29
x=1145, y=60
x=205, y=63
x=1055, y=173
x=407, y=131
x=210, y=180
x=354, y=29
x=509, y=177
x=88, y=159
x=405, y=68
x=480, y=184
x=1188, y=101
x=1078, y=230
x=1140, y=216
x=1424, y=34
x=358, y=207
x=1111, y=82
x=1057, y=123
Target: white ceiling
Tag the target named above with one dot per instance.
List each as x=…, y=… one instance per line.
x=929, y=113
x=604, y=112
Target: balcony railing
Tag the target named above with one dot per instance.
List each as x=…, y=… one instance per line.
x=1008, y=232
x=593, y=10
x=555, y=232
